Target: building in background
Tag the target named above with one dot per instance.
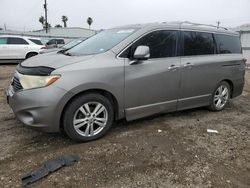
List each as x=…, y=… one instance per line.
x=67, y=33
x=244, y=31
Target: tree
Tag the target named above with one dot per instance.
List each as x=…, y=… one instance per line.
x=58, y=25
x=64, y=20
x=89, y=21
x=42, y=21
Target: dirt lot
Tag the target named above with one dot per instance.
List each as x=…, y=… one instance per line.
x=136, y=154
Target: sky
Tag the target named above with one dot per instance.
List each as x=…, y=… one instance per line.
x=23, y=15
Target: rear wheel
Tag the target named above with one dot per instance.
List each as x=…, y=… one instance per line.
x=220, y=96
x=88, y=117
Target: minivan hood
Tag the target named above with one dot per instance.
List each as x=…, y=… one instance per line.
x=53, y=60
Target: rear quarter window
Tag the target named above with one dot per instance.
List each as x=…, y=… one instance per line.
x=3, y=40
x=227, y=44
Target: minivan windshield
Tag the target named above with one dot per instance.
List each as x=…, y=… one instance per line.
x=101, y=42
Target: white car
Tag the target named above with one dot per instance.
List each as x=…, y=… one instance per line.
x=18, y=47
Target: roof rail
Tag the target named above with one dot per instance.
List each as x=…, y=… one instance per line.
x=206, y=25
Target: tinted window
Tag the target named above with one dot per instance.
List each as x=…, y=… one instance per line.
x=60, y=41
x=228, y=44
x=161, y=44
x=3, y=40
x=36, y=41
x=198, y=43
x=52, y=41
x=14, y=40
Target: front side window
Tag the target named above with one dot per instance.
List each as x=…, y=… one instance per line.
x=3, y=40
x=162, y=44
x=17, y=41
x=101, y=42
x=198, y=43
x=227, y=44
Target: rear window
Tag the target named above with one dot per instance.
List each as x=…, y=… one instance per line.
x=227, y=44
x=15, y=40
x=36, y=41
x=3, y=40
x=198, y=43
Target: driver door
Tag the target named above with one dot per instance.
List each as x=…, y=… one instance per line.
x=151, y=86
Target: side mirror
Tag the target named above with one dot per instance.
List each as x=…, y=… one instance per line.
x=141, y=53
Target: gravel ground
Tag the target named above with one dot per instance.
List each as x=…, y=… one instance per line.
x=171, y=150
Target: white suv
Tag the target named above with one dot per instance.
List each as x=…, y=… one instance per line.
x=18, y=47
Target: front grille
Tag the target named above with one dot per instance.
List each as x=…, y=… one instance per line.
x=16, y=84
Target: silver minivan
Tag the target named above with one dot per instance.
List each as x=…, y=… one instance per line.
x=128, y=72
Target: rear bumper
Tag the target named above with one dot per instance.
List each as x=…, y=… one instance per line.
x=37, y=108
x=238, y=86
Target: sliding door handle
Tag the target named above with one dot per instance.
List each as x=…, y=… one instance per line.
x=188, y=65
x=173, y=67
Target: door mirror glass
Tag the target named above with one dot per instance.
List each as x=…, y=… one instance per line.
x=142, y=53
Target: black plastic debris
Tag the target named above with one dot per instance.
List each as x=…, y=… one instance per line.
x=49, y=167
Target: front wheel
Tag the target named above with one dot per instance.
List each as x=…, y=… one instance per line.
x=220, y=96
x=88, y=117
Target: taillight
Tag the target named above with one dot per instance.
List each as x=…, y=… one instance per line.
x=245, y=61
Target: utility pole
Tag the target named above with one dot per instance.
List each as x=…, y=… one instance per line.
x=218, y=24
x=46, y=15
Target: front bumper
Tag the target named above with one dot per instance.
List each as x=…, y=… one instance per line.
x=37, y=108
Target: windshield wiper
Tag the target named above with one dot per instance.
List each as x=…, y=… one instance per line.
x=64, y=52
x=68, y=54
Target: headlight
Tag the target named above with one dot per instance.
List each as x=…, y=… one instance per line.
x=31, y=82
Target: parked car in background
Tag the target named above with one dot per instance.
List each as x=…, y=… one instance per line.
x=18, y=47
x=64, y=47
x=55, y=43
x=128, y=72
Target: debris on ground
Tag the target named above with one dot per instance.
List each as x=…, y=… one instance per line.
x=49, y=167
x=212, y=131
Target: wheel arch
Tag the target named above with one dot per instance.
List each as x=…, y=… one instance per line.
x=230, y=82
x=102, y=92
x=31, y=52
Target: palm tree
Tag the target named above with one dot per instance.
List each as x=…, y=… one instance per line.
x=42, y=21
x=64, y=20
x=89, y=21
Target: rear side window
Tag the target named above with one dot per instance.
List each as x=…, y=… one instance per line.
x=198, y=43
x=36, y=41
x=18, y=41
x=227, y=44
x=60, y=41
x=3, y=40
x=162, y=44
x=50, y=42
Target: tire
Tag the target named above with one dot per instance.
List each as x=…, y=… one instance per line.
x=80, y=121
x=222, y=95
x=31, y=54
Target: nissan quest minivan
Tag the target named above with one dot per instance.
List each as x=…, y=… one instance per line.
x=128, y=72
